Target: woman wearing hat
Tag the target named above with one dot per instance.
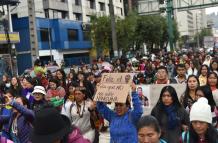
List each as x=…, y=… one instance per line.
x=52, y=127
x=39, y=98
x=20, y=121
x=79, y=113
x=201, y=129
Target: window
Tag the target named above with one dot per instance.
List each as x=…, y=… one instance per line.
x=121, y=11
x=78, y=16
x=64, y=15
x=92, y=4
x=102, y=6
x=77, y=2
x=72, y=34
x=44, y=34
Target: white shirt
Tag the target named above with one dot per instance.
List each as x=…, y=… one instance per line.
x=82, y=119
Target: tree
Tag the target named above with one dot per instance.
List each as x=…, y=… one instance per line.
x=126, y=31
x=132, y=32
x=200, y=36
x=100, y=35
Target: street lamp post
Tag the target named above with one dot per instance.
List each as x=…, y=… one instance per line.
x=170, y=23
x=113, y=28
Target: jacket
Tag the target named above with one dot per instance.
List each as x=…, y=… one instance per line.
x=6, y=111
x=122, y=128
x=170, y=135
x=76, y=137
x=24, y=121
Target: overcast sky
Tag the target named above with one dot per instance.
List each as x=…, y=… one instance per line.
x=211, y=10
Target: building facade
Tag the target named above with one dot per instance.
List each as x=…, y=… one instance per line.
x=79, y=10
x=189, y=21
x=65, y=20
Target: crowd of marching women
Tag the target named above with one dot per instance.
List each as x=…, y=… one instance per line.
x=58, y=107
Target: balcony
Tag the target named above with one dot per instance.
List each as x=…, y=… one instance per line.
x=90, y=11
x=54, y=4
x=77, y=8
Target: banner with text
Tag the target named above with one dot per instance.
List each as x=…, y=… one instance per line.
x=114, y=87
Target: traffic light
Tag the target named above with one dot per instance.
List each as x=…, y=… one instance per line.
x=161, y=1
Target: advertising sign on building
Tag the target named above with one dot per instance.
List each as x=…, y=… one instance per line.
x=13, y=37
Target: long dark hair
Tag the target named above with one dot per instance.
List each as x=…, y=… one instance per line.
x=207, y=94
x=73, y=84
x=186, y=94
x=54, y=80
x=208, y=70
x=211, y=65
x=64, y=77
x=18, y=89
x=211, y=135
x=212, y=73
x=173, y=94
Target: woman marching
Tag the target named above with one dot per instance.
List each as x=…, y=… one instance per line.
x=171, y=116
x=79, y=112
x=201, y=129
x=123, y=119
x=189, y=96
x=149, y=130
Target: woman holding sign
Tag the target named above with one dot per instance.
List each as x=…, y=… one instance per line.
x=123, y=119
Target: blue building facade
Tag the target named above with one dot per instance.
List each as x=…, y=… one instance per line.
x=65, y=35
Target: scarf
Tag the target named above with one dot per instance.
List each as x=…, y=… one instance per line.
x=172, y=117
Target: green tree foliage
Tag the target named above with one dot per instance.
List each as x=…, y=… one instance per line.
x=204, y=32
x=133, y=31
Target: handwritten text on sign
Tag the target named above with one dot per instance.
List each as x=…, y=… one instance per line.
x=112, y=93
x=117, y=78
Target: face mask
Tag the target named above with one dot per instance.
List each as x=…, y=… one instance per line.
x=7, y=85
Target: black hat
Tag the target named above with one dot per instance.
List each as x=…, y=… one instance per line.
x=49, y=126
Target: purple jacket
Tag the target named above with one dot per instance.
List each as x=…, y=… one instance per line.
x=24, y=121
x=26, y=92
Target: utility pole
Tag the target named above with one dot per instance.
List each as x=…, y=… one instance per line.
x=32, y=28
x=170, y=23
x=113, y=28
x=198, y=44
